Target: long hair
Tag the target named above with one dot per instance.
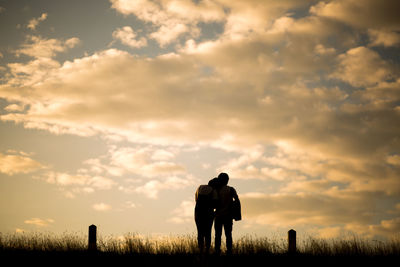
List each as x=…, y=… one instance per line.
x=214, y=183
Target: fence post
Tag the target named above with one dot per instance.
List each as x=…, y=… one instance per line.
x=292, y=241
x=92, y=238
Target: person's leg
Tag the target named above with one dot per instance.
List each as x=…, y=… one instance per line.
x=200, y=234
x=218, y=234
x=208, y=234
x=228, y=234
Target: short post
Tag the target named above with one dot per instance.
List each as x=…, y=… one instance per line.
x=92, y=238
x=292, y=241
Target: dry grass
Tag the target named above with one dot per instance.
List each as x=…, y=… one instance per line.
x=43, y=242
x=138, y=244
x=187, y=245
x=353, y=246
x=134, y=249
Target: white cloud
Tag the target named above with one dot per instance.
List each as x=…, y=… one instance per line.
x=162, y=155
x=72, y=184
x=39, y=222
x=102, y=207
x=383, y=38
x=184, y=213
x=362, y=14
x=65, y=179
x=128, y=37
x=169, y=33
x=157, y=11
x=31, y=72
x=112, y=109
x=72, y=192
x=253, y=164
x=38, y=47
x=383, y=228
x=241, y=119
x=72, y=42
x=151, y=166
x=330, y=215
x=33, y=23
x=173, y=18
x=246, y=19
x=145, y=161
x=42, y=50
x=362, y=66
x=15, y=108
x=101, y=183
x=269, y=89
x=152, y=188
x=18, y=162
x=321, y=50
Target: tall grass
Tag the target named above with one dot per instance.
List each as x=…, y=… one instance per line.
x=138, y=244
x=130, y=244
x=259, y=245
x=43, y=242
x=353, y=246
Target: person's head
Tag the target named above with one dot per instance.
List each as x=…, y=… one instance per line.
x=223, y=178
x=213, y=182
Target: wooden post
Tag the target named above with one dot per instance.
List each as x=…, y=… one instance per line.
x=292, y=241
x=92, y=238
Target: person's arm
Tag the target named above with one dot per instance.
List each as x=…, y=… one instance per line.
x=234, y=194
x=236, y=211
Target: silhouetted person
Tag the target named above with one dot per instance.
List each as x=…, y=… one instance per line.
x=225, y=213
x=206, y=199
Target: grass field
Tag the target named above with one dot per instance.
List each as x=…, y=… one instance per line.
x=182, y=250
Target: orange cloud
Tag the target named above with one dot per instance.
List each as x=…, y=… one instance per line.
x=298, y=101
x=102, y=207
x=173, y=18
x=128, y=37
x=18, y=163
x=39, y=222
x=33, y=23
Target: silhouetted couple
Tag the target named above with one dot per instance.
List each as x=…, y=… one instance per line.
x=219, y=203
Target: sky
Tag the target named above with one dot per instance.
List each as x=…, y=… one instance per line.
x=113, y=112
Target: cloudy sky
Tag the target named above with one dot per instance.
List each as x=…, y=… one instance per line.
x=112, y=112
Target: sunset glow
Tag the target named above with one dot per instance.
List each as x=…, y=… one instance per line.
x=113, y=112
